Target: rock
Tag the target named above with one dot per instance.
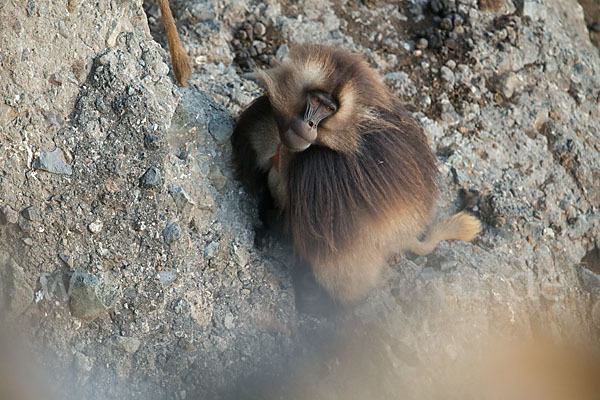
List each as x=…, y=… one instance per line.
x=8, y=215
x=152, y=178
x=167, y=276
x=90, y=296
x=126, y=344
x=198, y=109
x=446, y=24
x=217, y=178
x=96, y=226
x=15, y=293
x=66, y=258
x=171, y=232
x=534, y=9
x=30, y=7
x=151, y=141
x=229, y=321
x=240, y=255
x=511, y=83
x=447, y=75
x=82, y=362
x=52, y=162
x=183, y=202
x=422, y=44
x=259, y=46
x=282, y=51
x=221, y=127
x=211, y=249
x=259, y=29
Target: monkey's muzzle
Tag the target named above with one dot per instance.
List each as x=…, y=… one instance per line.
x=300, y=135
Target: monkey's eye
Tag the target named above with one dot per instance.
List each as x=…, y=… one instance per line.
x=328, y=109
x=314, y=100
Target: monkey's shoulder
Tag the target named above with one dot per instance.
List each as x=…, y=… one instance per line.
x=250, y=140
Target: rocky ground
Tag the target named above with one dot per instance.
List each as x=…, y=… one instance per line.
x=127, y=248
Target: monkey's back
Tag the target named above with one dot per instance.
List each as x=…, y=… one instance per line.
x=376, y=198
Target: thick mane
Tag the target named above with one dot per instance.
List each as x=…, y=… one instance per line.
x=308, y=67
x=332, y=194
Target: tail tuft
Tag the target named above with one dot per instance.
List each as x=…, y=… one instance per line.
x=181, y=64
x=462, y=226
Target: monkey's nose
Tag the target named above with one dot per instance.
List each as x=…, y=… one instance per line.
x=311, y=124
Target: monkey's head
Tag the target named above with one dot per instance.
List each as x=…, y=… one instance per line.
x=322, y=95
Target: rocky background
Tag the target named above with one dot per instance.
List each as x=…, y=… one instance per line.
x=127, y=257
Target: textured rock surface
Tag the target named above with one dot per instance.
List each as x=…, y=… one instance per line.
x=509, y=98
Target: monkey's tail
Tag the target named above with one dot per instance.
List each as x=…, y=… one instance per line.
x=181, y=62
x=460, y=226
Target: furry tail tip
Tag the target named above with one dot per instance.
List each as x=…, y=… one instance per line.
x=181, y=65
x=462, y=226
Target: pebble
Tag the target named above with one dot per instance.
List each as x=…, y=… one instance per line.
x=282, y=51
x=30, y=8
x=422, y=43
x=244, y=276
x=180, y=197
x=211, y=249
x=62, y=29
x=171, y=232
x=221, y=127
x=52, y=162
x=260, y=29
x=446, y=24
x=167, y=276
x=249, y=29
x=82, y=362
x=229, y=321
x=217, y=178
x=66, y=258
x=31, y=213
x=259, y=46
x=8, y=215
x=24, y=225
x=240, y=255
x=90, y=297
x=151, y=141
x=152, y=178
x=425, y=102
x=127, y=344
x=15, y=293
x=447, y=74
x=95, y=226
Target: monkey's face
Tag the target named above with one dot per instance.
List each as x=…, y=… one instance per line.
x=323, y=95
x=301, y=131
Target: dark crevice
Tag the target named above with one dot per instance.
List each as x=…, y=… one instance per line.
x=591, y=261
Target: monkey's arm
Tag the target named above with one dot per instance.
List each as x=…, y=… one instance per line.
x=254, y=141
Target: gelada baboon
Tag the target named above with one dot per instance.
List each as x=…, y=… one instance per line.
x=349, y=170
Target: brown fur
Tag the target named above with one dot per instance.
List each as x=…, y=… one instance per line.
x=364, y=190
x=181, y=62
